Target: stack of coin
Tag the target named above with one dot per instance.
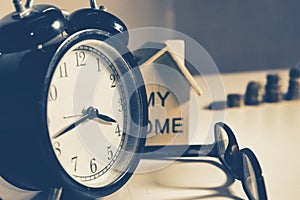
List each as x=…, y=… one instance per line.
x=234, y=100
x=294, y=85
x=273, y=89
x=253, y=95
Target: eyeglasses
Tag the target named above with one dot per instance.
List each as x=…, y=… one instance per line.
x=241, y=164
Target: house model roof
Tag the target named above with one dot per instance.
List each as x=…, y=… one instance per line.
x=151, y=52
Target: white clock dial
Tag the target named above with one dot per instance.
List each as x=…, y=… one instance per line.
x=87, y=113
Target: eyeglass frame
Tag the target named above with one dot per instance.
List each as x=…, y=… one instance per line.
x=233, y=156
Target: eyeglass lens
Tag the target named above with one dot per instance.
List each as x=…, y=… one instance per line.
x=250, y=177
x=222, y=140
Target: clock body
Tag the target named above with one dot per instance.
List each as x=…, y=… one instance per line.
x=74, y=111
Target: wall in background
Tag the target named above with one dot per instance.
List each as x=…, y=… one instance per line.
x=238, y=34
x=244, y=34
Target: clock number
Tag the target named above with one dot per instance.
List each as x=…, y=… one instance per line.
x=74, y=160
x=98, y=64
x=120, y=101
x=113, y=79
x=52, y=93
x=63, y=70
x=110, y=153
x=118, y=131
x=93, y=165
x=80, y=57
x=57, y=148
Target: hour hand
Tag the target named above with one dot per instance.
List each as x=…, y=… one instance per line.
x=70, y=127
x=94, y=113
x=105, y=118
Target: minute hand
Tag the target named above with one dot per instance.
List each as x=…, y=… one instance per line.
x=105, y=118
x=84, y=118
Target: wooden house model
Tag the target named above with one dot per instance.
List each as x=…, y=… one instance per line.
x=168, y=83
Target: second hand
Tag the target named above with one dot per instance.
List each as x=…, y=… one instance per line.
x=72, y=116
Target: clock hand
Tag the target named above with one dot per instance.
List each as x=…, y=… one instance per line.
x=84, y=118
x=72, y=116
x=90, y=113
x=105, y=118
x=94, y=113
x=84, y=112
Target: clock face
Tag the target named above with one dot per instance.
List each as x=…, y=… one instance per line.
x=87, y=114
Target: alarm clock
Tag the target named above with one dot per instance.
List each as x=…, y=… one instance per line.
x=73, y=102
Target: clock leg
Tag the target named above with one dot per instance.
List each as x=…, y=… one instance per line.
x=55, y=193
x=51, y=194
x=68, y=194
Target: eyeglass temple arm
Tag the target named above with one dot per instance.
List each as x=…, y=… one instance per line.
x=155, y=152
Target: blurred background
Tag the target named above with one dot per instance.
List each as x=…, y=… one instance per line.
x=240, y=35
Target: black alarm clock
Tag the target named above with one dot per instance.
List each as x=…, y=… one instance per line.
x=73, y=102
